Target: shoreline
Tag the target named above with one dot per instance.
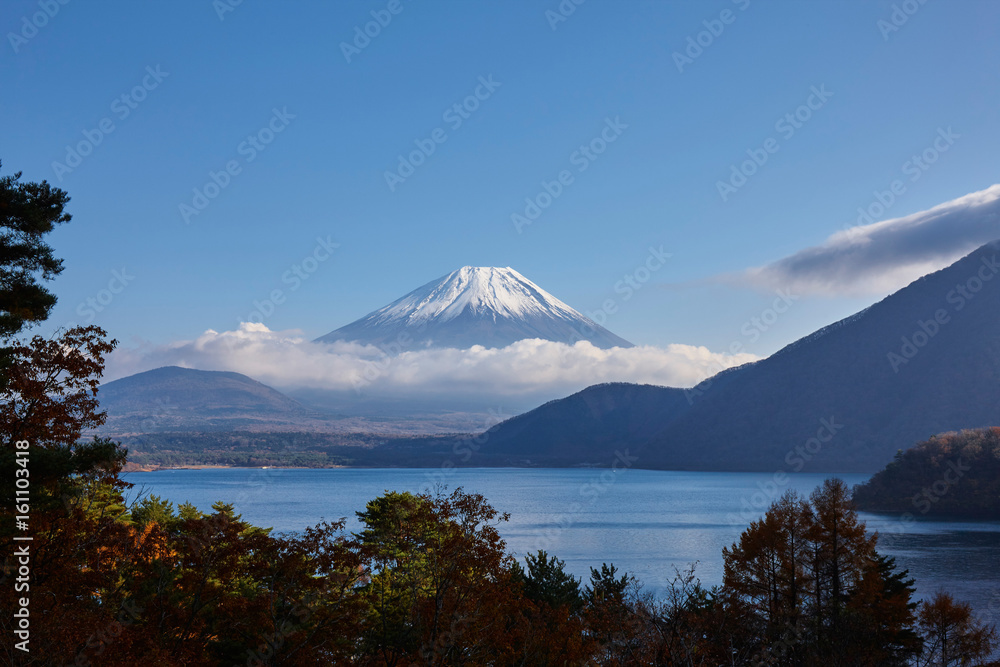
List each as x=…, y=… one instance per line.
x=209, y=466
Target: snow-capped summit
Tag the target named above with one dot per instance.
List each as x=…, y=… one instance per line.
x=487, y=306
x=480, y=289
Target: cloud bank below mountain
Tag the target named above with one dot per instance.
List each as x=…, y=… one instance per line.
x=526, y=368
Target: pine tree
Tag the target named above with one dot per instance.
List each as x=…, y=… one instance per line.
x=28, y=211
x=546, y=581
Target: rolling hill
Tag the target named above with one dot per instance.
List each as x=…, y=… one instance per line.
x=173, y=398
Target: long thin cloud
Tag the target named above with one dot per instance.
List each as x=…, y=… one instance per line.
x=528, y=367
x=885, y=256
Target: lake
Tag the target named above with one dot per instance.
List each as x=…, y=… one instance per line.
x=645, y=522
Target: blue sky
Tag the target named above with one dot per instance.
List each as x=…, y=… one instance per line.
x=323, y=175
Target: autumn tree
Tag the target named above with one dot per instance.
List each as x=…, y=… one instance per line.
x=808, y=582
x=767, y=575
x=48, y=399
x=223, y=591
x=439, y=577
x=953, y=635
x=840, y=554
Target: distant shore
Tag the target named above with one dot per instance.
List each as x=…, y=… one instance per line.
x=134, y=467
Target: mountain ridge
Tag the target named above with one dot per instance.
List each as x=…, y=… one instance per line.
x=766, y=415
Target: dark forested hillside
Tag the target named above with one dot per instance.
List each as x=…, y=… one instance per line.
x=586, y=427
x=953, y=474
x=924, y=360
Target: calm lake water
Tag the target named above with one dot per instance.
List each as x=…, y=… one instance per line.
x=645, y=522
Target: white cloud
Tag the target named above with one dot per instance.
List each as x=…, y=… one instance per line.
x=526, y=368
x=885, y=256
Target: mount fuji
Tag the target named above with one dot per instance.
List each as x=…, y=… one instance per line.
x=488, y=306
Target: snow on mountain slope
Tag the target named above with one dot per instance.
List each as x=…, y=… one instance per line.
x=500, y=292
x=487, y=306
